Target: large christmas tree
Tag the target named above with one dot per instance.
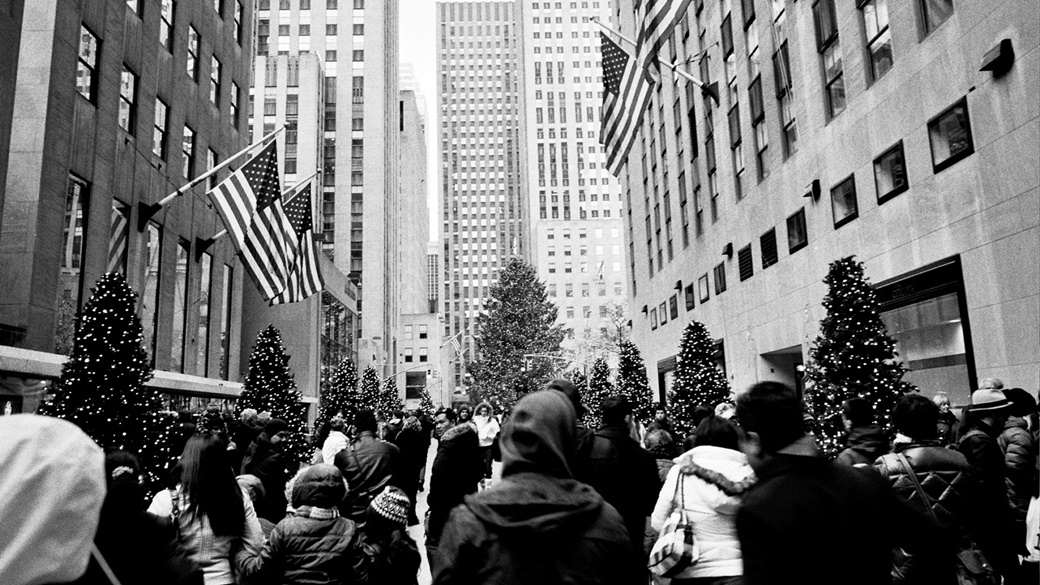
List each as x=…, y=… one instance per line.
x=389, y=400
x=518, y=320
x=102, y=389
x=338, y=394
x=698, y=380
x=852, y=356
x=426, y=405
x=368, y=394
x=633, y=384
x=599, y=388
x=271, y=387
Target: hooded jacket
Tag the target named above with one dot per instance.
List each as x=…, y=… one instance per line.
x=711, y=500
x=1020, y=460
x=865, y=445
x=266, y=461
x=316, y=546
x=538, y=525
x=457, y=469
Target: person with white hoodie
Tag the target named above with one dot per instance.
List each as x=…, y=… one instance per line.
x=487, y=430
x=709, y=482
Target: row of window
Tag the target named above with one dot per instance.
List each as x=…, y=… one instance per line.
x=306, y=4
x=586, y=289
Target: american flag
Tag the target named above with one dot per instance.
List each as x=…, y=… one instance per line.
x=117, y=239
x=658, y=23
x=626, y=96
x=305, y=276
x=250, y=203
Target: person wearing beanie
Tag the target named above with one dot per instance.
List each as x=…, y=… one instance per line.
x=393, y=556
x=315, y=545
x=537, y=525
x=267, y=462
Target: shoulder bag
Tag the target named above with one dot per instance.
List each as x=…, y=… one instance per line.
x=972, y=566
x=676, y=548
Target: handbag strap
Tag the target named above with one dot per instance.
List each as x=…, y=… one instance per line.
x=917, y=484
x=103, y=564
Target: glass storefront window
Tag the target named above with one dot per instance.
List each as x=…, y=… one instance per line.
x=930, y=340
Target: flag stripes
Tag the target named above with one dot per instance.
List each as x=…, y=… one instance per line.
x=626, y=96
x=118, y=237
x=305, y=277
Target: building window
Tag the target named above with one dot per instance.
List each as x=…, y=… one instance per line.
x=949, y=135
x=423, y=331
x=135, y=6
x=202, y=325
x=890, y=173
x=688, y=294
x=879, y=38
x=192, y=64
x=745, y=263
x=73, y=243
x=238, y=23
x=86, y=71
x=768, y=245
x=673, y=307
x=424, y=354
x=270, y=106
x=150, y=298
x=225, y=322
x=359, y=55
x=782, y=75
x=214, y=81
x=409, y=354
x=127, y=100
x=409, y=332
x=843, y=202
x=211, y=161
x=236, y=94
x=653, y=319
x=188, y=150
x=830, y=48
x=702, y=288
x=720, y=278
x=662, y=312
x=166, y=9
x=935, y=12
x=797, y=236
x=159, y=129
x=118, y=236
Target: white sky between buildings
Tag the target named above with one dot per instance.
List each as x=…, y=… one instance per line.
x=417, y=19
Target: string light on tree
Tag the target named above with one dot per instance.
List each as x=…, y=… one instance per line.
x=389, y=401
x=368, y=390
x=632, y=382
x=698, y=380
x=338, y=394
x=853, y=356
x=599, y=388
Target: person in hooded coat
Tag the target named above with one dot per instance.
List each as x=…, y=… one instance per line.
x=266, y=461
x=538, y=525
x=866, y=440
x=457, y=469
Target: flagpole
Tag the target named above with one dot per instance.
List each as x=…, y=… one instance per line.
x=202, y=245
x=146, y=211
x=711, y=89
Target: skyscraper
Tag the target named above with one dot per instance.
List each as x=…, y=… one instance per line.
x=482, y=196
x=575, y=203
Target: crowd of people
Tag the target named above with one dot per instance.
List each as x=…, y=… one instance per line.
x=945, y=500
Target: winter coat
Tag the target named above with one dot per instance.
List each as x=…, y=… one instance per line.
x=315, y=546
x=625, y=475
x=142, y=548
x=865, y=445
x=369, y=465
x=487, y=427
x=814, y=522
x=393, y=560
x=334, y=443
x=266, y=461
x=537, y=526
x=219, y=556
x=457, y=469
x=993, y=523
x=711, y=500
x=1019, y=460
x=947, y=428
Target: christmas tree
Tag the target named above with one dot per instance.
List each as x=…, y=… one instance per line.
x=271, y=387
x=698, y=380
x=852, y=356
x=338, y=394
x=519, y=320
x=598, y=389
x=102, y=389
x=368, y=393
x=426, y=403
x=632, y=382
x=389, y=400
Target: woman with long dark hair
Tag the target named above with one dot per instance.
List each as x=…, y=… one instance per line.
x=212, y=515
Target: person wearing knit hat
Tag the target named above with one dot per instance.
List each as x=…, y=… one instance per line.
x=266, y=460
x=275, y=426
x=983, y=422
x=393, y=555
x=391, y=504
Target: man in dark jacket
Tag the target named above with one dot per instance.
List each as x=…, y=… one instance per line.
x=266, y=461
x=538, y=525
x=866, y=440
x=1019, y=454
x=622, y=472
x=984, y=421
x=814, y=522
x=457, y=469
x=368, y=464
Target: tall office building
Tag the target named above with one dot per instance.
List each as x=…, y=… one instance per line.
x=903, y=133
x=574, y=201
x=360, y=178
x=483, y=204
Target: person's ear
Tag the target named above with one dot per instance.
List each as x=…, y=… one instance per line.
x=750, y=444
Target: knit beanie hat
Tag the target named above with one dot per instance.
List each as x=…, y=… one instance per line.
x=392, y=504
x=275, y=426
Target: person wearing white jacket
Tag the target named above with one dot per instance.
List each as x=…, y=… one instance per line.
x=714, y=475
x=487, y=429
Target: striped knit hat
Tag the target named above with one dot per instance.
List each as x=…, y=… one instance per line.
x=392, y=504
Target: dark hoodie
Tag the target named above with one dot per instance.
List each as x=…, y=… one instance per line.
x=266, y=461
x=457, y=469
x=865, y=445
x=538, y=525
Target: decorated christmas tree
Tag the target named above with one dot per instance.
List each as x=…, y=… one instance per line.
x=102, y=389
x=853, y=356
x=389, y=400
x=368, y=393
x=599, y=388
x=338, y=394
x=579, y=379
x=271, y=387
x=698, y=380
x=632, y=382
x=426, y=403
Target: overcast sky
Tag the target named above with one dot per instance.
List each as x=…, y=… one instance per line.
x=418, y=48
